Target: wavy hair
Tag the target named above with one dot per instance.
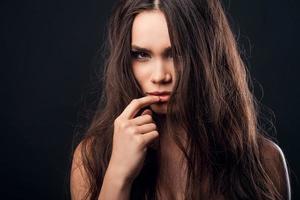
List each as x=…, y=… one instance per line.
x=212, y=102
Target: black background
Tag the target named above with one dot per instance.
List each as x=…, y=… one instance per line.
x=48, y=58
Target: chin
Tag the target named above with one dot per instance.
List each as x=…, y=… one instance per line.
x=159, y=108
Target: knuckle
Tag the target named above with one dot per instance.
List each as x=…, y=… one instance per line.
x=154, y=125
x=136, y=102
x=155, y=134
x=116, y=121
x=123, y=125
x=149, y=117
x=133, y=101
x=140, y=141
x=132, y=130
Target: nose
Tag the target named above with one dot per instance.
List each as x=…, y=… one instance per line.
x=161, y=73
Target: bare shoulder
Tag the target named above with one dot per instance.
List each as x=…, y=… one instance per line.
x=78, y=175
x=276, y=166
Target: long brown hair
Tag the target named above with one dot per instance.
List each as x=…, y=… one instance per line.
x=212, y=102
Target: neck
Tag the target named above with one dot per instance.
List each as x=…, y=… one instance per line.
x=166, y=147
x=171, y=165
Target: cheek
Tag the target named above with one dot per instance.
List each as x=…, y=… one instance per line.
x=171, y=68
x=141, y=73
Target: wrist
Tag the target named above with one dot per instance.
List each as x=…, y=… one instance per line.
x=114, y=186
x=117, y=177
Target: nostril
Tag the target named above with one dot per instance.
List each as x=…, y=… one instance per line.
x=162, y=78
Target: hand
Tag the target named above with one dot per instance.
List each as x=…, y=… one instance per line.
x=131, y=138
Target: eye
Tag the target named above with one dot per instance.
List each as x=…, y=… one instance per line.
x=168, y=55
x=139, y=55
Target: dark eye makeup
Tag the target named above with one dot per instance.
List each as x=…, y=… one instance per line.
x=169, y=54
x=138, y=54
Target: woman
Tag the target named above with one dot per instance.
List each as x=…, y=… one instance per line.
x=177, y=119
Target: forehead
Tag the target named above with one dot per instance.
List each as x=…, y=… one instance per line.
x=150, y=30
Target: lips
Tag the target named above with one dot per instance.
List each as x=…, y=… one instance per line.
x=163, y=95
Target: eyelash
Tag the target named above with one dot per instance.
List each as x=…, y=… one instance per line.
x=136, y=54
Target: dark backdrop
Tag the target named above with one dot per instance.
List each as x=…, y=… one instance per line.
x=47, y=64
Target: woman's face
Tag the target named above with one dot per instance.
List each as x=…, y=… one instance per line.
x=152, y=61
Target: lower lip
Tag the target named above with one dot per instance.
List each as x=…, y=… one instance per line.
x=163, y=98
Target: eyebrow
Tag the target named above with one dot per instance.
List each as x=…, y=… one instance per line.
x=135, y=47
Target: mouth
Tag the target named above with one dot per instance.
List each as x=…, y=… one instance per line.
x=164, y=96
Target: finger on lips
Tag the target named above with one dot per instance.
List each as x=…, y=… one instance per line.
x=131, y=110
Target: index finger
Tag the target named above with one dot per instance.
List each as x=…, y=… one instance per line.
x=136, y=104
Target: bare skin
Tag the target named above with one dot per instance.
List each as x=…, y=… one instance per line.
x=153, y=69
x=172, y=169
x=131, y=138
